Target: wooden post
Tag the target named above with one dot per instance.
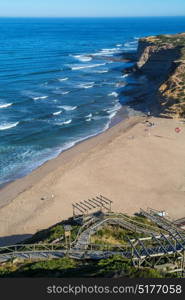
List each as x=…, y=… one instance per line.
x=67, y=229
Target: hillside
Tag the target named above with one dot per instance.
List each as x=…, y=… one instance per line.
x=116, y=247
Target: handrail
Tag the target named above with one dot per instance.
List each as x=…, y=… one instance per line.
x=83, y=228
x=165, y=245
x=137, y=223
x=141, y=253
x=35, y=247
x=163, y=222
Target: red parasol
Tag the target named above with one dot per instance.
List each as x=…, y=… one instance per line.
x=177, y=129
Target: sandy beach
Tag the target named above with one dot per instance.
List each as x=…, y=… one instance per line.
x=135, y=165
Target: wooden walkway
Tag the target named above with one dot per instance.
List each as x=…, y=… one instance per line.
x=155, y=244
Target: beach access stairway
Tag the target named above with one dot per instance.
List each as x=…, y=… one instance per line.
x=31, y=251
x=136, y=249
x=135, y=252
x=164, y=223
x=83, y=239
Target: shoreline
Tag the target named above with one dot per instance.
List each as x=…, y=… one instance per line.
x=24, y=182
x=121, y=116
x=132, y=164
x=12, y=190
x=135, y=163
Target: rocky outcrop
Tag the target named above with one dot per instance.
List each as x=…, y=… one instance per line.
x=172, y=92
x=162, y=60
x=157, y=62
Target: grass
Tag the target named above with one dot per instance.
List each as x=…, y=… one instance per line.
x=113, y=235
x=55, y=232
x=115, y=266
x=175, y=40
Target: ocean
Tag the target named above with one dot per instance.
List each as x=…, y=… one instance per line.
x=61, y=82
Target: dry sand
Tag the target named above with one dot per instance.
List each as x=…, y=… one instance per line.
x=134, y=165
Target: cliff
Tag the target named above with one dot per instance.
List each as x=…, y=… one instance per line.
x=162, y=59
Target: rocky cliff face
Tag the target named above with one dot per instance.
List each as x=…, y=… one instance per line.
x=162, y=59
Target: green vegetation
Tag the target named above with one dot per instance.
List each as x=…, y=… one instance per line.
x=113, y=235
x=115, y=266
x=53, y=233
x=109, y=237
x=176, y=40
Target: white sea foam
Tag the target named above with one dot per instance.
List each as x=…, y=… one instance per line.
x=5, y=126
x=68, y=121
x=89, y=116
x=83, y=58
x=57, y=113
x=63, y=79
x=131, y=45
x=124, y=76
x=5, y=105
x=59, y=92
x=120, y=84
x=108, y=52
x=112, y=111
x=87, y=66
x=96, y=118
x=65, y=93
x=67, y=107
x=87, y=85
x=113, y=94
x=102, y=71
x=40, y=97
x=64, y=123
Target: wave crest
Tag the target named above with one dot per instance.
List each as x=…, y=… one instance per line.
x=5, y=105
x=87, y=85
x=87, y=66
x=5, y=126
x=64, y=123
x=40, y=97
x=68, y=107
x=83, y=58
x=63, y=79
x=57, y=113
x=113, y=94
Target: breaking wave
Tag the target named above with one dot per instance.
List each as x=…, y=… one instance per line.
x=63, y=79
x=68, y=107
x=5, y=126
x=57, y=113
x=87, y=85
x=113, y=94
x=87, y=66
x=82, y=58
x=5, y=105
x=64, y=123
x=40, y=97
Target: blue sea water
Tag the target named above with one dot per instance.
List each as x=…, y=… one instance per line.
x=59, y=84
